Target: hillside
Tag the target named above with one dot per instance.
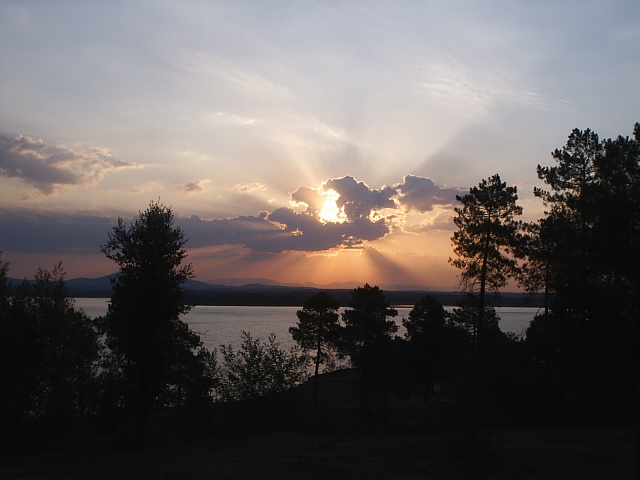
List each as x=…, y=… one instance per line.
x=273, y=294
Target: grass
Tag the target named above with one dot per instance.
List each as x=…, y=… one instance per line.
x=522, y=453
x=284, y=439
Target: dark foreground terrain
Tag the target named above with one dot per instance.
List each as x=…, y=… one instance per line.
x=508, y=454
x=282, y=438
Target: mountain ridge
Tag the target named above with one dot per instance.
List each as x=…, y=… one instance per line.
x=276, y=294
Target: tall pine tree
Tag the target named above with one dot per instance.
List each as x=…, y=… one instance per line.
x=143, y=324
x=485, y=240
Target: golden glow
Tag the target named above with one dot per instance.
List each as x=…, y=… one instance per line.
x=330, y=211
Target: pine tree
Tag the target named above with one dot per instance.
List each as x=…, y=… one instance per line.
x=486, y=239
x=317, y=330
x=143, y=323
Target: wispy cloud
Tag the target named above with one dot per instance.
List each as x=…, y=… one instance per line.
x=243, y=81
x=230, y=119
x=51, y=167
x=472, y=89
x=194, y=188
x=248, y=188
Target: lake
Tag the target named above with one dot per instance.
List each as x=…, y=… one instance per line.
x=222, y=325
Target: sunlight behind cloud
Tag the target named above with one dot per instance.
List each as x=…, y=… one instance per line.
x=330, y=211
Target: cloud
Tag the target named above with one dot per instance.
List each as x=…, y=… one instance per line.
x=366, y=215
x=301, y=227
x=230, y=119
x=421, y=194
x=438, y=220
x=248, y=188
x=357, y=199
x=284, y=229
x=40, y=232
x=193, y=188
x=242, y=80
x=310, y=198
x=471, y=89
x=48, y=168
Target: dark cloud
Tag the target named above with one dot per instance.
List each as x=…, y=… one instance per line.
x=48, y=167
x=311, y=197
x=283, y=229
x=246, y=230
x=193, y=188
x=50, y=232
x=357, y=199
x=368, y=214
x=421, y=194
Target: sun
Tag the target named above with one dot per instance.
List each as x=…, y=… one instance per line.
x=330, y=211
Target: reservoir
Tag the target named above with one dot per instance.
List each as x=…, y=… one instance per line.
x=223, y=325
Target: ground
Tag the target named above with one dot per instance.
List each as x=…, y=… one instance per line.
x=540, y=454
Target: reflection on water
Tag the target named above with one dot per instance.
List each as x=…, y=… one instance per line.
x=222, y=325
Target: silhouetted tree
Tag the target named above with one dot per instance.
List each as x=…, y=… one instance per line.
x=538, y=248
x=426, y=331
x=317, y=330
x=143, y=325
x=466, y=315
x=367, y=332
x=618, y=221
x=49, y=353
x=486, y=239
x=588, y=243
x=258, y=368
x=571, y=204
x=591, y=225
x=5, y=290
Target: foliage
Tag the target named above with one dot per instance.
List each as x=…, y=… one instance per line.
x=49, y=353
x=366, y=336
x=486, y=239
x=317, y=330
x=592, y=222
x=485, y=235
x=258, y=368
x=157, y=350
x=466, y=316
x=427, y=334
x=5, y=291
x=539, y=248
x=318, y=327
x=584, y=254
x=426, y=322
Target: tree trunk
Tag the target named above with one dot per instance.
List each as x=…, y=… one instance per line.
x=483, y=286
x=315, y=378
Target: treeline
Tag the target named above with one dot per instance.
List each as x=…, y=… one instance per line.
x=295, y=297
x=61, y=372
x=583, y=255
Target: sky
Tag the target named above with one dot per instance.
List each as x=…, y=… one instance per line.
x=299, y=141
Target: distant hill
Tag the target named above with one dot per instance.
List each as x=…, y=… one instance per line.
x=349, y=285
x=271, y=293
x=239, y=282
